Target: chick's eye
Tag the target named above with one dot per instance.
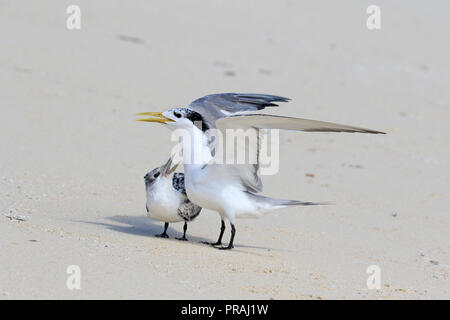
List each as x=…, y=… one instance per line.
x=156, y=175
x=176, y=114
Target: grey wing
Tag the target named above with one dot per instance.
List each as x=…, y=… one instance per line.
x=215, y=106
x=253, y=123
x=265, y=121
x=188, y=210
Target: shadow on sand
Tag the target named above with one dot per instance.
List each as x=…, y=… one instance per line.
x=143, y=226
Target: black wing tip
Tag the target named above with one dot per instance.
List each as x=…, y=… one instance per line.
x=265, y=105
x=265, y=97
x=258, y=101
x=317, y=203
x=261, y=101
x=372, y=131
x=368, y=131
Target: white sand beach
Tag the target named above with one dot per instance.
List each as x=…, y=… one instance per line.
x=73, y=157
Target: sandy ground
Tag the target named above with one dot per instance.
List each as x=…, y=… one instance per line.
x=73, y=158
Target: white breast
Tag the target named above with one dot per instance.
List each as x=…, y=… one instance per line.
x=201, y=188
x=213, y=189
x=163, y=201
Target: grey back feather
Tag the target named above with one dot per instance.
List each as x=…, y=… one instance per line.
x=211, y=107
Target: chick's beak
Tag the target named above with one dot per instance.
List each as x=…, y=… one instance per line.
x=157, y=117
x=165, y=169
x=173, y=168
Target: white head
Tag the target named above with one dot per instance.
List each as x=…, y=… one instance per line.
x=177, y=118
x=165, y=171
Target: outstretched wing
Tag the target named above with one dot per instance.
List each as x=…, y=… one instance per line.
x=215, y=106
x=251, y=124
x=265, y=121
x=230, y=111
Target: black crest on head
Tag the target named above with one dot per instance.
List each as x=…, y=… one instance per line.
x=196, y=119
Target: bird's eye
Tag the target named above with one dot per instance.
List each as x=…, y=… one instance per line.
x=156, y=175
x=176, y=114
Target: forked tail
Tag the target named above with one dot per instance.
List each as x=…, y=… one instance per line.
x=269, y=204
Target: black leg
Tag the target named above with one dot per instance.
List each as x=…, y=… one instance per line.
x=219, y=241
x=222, y=230
x=164, y=234
x=183, y=238
x=230, y=245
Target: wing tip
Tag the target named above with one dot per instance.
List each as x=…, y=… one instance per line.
x=268, y=97
x=308, y=203
x=374, y=131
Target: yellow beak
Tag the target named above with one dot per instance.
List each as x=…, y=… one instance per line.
x=157, y=117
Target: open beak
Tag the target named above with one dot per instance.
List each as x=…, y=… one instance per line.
x=157, y=117
x=167, y=169
x=173, y=168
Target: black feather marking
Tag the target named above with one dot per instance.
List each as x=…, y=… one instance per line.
x=197, y=119
x=178, y=182
x=189, y=211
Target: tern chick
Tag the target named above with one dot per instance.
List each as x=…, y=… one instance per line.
x=166, y=198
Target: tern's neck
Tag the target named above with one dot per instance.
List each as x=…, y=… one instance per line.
x=195, y=147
